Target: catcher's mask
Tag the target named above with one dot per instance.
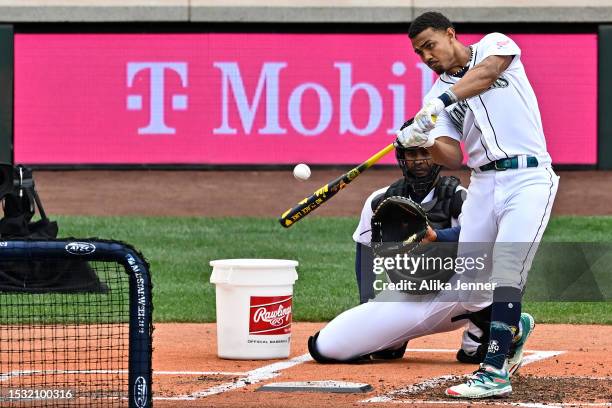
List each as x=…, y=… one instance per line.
x=418, y=168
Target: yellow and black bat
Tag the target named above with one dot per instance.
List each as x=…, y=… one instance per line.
x=309, y=204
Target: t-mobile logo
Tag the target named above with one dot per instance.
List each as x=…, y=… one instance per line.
x=157, y=125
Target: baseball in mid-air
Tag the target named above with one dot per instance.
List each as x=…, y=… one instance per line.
x=301, y=172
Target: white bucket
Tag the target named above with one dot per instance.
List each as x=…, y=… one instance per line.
x=254, y=298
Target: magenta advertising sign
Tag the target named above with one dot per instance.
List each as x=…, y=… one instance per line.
x=259, y=98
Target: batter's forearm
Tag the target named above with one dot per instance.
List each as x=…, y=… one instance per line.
x=447, y=152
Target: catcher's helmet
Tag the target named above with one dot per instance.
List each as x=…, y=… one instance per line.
x=420, y=184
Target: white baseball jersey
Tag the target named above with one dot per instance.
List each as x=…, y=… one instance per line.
x=363, y=233
x=501, y=122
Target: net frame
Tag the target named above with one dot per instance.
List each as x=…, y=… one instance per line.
x=120, y=264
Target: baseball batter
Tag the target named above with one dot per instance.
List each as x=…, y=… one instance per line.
x=484, y=99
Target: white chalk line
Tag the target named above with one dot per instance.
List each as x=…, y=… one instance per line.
x=25, y=373
x=252, y=377
x=223, y=373
x=532, y=357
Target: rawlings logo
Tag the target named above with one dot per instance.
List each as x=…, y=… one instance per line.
x=275, y=318
x=80, y=248
x=270, y=315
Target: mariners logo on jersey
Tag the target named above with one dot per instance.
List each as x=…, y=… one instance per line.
x=501, y=82
x=457, y=114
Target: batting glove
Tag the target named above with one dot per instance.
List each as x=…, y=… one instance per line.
x=413, y=136
x=425, y=118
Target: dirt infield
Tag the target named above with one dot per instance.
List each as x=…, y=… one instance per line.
x=566, y=366
x=257, y=193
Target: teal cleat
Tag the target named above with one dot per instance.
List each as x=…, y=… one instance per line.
x=485, y=382
x=515, y=358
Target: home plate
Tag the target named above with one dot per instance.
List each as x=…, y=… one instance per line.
x=317, y=386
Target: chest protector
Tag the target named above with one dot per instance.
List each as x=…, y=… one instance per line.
x=445, y=205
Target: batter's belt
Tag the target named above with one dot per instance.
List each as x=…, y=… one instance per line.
x=510, y=163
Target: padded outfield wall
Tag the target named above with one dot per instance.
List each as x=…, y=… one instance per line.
x=605, y=98
x=268, y=94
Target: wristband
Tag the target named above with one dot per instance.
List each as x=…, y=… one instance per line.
x=448, y=98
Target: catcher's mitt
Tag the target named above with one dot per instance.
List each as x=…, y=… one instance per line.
x=398, y=226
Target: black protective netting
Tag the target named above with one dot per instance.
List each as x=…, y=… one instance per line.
x=65, y=347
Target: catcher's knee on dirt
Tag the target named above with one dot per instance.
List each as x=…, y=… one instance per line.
x=316, y=355
x=386, y=354
x=327, y=356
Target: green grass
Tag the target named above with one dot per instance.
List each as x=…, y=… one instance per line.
x=179, y=250
x=570, y=312
x=579, y=229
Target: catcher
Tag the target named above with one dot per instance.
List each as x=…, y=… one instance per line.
x=441, y=196
x=380, y=329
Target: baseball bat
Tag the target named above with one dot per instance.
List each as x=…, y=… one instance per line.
x=325, y=193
